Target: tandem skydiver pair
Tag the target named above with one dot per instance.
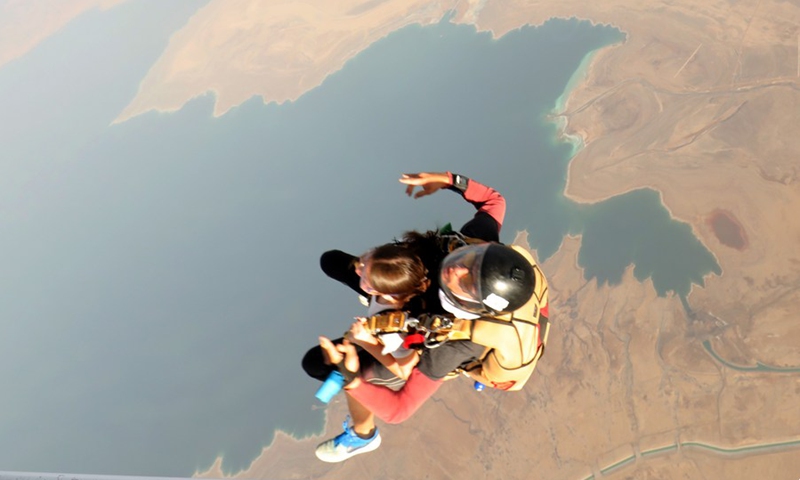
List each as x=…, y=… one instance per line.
x=440, y=303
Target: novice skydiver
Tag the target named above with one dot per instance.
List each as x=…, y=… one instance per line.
x=401, y=276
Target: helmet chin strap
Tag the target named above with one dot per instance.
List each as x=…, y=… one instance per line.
x=448, y=305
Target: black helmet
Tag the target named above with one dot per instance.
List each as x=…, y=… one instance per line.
x=486, y=278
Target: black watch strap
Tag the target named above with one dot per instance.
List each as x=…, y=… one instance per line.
x=460, y=182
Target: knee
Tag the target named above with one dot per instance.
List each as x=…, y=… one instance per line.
x=333, y=262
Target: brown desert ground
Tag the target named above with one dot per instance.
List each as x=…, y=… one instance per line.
x=26, y=23
x=701, y=103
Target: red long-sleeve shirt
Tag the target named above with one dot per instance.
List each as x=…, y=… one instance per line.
x=485, y=199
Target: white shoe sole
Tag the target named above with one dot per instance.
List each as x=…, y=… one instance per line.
x=341, y=458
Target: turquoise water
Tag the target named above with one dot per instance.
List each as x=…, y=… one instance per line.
x=165, y=281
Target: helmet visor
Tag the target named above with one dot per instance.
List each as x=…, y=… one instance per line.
x=459, y=277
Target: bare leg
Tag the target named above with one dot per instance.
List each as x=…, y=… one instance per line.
x=362, y=436
x=363, y=419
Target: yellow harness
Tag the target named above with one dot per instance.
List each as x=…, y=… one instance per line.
x=514, y=341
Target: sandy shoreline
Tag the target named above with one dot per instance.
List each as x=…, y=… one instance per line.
x=290, y=51
x=25, y=25
x=698, y=104
x=284, y=447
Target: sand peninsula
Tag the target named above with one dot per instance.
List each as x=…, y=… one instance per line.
x=24, y=25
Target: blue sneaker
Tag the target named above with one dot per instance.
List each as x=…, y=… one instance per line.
x=346, y=444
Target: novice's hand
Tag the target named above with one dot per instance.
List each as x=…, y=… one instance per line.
x=359, y=334
x=329, y=351
x=430, y=182
x=351, y=363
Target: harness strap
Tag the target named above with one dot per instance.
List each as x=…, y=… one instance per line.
x=391, y=322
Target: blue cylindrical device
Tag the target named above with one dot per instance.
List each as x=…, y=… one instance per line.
x=479, y=386
x=330, y=387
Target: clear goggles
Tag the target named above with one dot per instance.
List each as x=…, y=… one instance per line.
x=460, y=279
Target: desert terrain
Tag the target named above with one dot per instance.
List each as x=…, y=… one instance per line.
x=26, y=23
x=701, y=103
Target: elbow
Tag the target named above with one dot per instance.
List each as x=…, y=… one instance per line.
x=501, y=208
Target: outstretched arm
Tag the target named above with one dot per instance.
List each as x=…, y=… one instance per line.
x=490, y=203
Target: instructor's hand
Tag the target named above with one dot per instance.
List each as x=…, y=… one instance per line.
x=429, y=181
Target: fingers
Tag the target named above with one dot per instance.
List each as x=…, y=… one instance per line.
x=413, y=179
x=351, y=362
x=347, y=347
x=358, y=325
x=423, y=179
x=329, y=350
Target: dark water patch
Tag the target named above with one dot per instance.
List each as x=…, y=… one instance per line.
x=635, y=228
x=727, y=229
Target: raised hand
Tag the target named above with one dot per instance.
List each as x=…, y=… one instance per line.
x=330, y=352
x=429, y=182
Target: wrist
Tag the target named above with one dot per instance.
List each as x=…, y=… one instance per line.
x=349, y=376
x=354, y=384
x=365, y=342
x=458, y=182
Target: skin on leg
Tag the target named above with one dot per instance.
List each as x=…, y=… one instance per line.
x=363, y=419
